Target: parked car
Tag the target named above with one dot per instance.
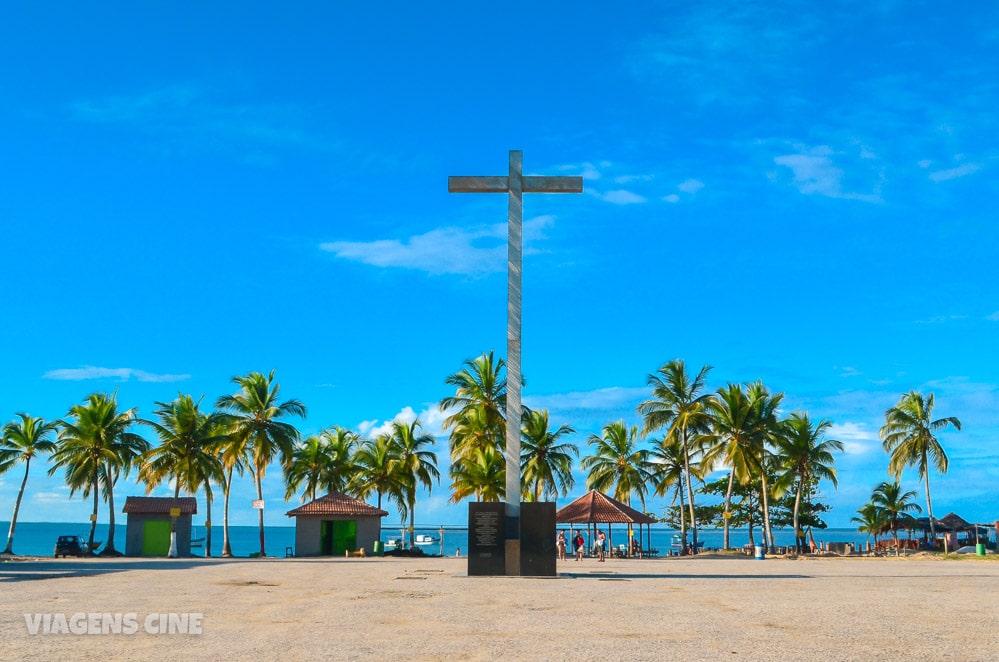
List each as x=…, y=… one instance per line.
x=72, y=546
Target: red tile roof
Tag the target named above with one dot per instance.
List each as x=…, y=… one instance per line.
x=600, y=508
x=336, y=503
x=159, y=505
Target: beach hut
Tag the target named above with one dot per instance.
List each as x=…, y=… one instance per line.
x=147, y=532
x=597, y=508
x=335, y=524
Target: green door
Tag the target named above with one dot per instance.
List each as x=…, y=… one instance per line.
x=337, y=537
x=344, y=536
x=155, y=537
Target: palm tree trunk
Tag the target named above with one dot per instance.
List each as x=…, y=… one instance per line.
x=226, y=548
x=728, y=506
x=109, y=549
x=93, y=522
x=929, y=510
x=799, y=544
x=767, y=531
x=208, y=519
x=260, y=512
x=683, y=523
x=17, y=506
x=412, y=524
x=690, y=489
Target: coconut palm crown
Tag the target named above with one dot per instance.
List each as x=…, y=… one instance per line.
x=908, y=435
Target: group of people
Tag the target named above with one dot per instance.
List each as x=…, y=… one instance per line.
x=579, y=546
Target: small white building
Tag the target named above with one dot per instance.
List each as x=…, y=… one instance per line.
x=335, y=524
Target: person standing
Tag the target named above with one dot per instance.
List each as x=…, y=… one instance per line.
x=560, y=545
x=601, y=538
x=580, y=546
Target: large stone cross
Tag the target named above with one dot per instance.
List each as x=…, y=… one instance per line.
x=515, y=184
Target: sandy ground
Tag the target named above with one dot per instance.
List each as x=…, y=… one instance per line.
x=680, y=608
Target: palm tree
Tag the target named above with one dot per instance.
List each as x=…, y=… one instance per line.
x=375, y=470
x=233, y=453
x=415, y=465
x=617, y=463
x=186, y=453
x=668, y=470
x=804, y=455
x=764, y=433
x=95, y=449
x=545, y=463
x=481, y=474
x=252, y=415
x=480, y=396
x=731, y=414
x=893, y=507
x=678, y=405
x=22, y=442
x=908, y=435
x=869, y=520
x=323, y=461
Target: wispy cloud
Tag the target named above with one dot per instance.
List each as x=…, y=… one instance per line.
x=477, y=251
x=620, y=197
x=189, y=110
x=672, y=198
x=709, y=48
x=815, y=173
x=942, y=319
x=954, y=173
x=848, y=371
x=116, y=374
x=691, y=186
x=613, y=397
x=993, y=317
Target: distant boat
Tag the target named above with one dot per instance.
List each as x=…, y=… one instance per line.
x=422, y=539
x=393, y=543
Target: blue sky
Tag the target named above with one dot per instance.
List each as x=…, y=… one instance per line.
x=789, y=193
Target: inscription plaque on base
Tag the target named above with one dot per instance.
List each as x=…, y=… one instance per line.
x=486, y=538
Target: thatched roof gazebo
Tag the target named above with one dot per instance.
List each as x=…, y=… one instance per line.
x=597, y=508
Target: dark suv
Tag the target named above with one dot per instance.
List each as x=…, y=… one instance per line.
x=69, y=546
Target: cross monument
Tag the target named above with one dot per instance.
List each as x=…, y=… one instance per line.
x=515, y=185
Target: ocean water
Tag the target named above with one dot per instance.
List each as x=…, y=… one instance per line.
x=38, y=538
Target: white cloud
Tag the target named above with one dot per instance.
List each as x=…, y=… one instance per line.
x=431, y=420
x=470, y=251
x=954, y=173
x=925, y=163
x=815, y=174
x=691, y=186
x=848, y=371
x=119, y=374
x=672, y=198
x=994, y=316
x=620, y=197
x=856, y=438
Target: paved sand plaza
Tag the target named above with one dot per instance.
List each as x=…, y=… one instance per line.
x=706, y=608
